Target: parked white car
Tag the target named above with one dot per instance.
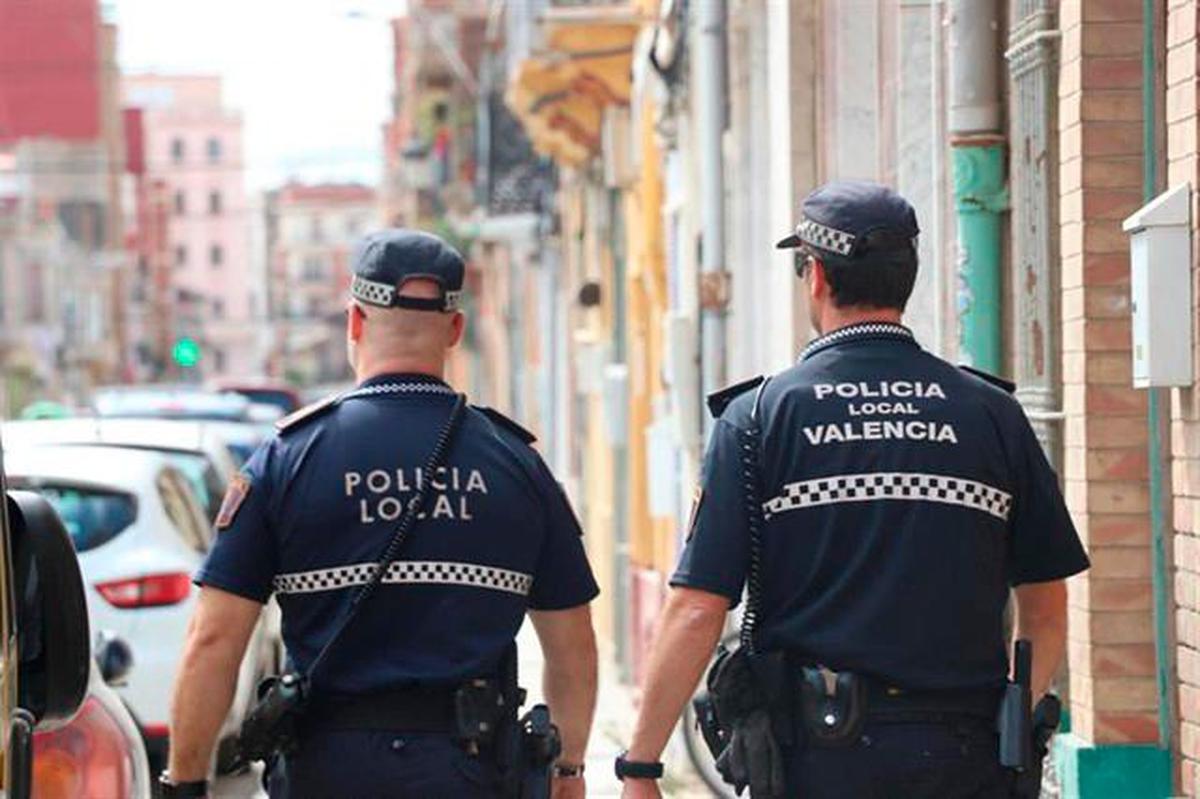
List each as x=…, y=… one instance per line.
x=98, y=752
x=195, y=448
x=141, y=534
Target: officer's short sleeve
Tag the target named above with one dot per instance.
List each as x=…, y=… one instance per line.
x=243, y=557
x=1044, y=545
x=564, y=577
x=716, y=556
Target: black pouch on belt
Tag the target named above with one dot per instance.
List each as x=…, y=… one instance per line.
x=833, y=705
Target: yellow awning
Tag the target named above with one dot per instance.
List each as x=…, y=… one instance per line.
x=559, y=95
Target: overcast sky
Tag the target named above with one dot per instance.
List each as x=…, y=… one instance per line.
x=311, y=77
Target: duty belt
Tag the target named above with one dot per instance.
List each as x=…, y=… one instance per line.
x=418, y=709
x=889, y=703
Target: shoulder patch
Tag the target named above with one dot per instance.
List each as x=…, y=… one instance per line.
x=718, y=401
x=1007, y=385
x=307, y=412
x=508, y=424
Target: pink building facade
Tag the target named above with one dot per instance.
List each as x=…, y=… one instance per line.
x=193, y=147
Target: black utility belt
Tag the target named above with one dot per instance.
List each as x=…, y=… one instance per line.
x=833, y=706
x=418, y=709
x=886, y=702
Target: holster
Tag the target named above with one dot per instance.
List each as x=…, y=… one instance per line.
x=273, y=724
x=1046, y=717
x=524, y=748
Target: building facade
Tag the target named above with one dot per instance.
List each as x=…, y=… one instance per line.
x=193, y=148
x=315, y=229
x=63, y=267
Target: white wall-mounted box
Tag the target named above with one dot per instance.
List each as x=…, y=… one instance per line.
x=1160, y=254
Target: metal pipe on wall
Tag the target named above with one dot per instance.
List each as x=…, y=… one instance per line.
x=709, y=63
x=980, y=193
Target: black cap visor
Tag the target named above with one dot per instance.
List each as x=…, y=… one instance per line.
x=790, y=243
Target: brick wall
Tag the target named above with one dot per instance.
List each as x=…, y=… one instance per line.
x=1182, y=163
x=1111, y=637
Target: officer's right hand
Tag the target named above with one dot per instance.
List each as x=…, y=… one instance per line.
x=640, y=789
x=568, y=788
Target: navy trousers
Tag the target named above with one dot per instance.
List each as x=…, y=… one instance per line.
x=905, y=761
x=367, y=764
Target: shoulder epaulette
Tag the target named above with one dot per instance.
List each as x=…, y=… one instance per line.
x=718, y=401
x=307, y=412
x=1007, y=385
x=508, y=424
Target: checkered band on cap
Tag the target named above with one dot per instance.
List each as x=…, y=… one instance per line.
x=827, y=238
x=383, y=295
x=372, y=292
x=411, y=572
x=912, y=486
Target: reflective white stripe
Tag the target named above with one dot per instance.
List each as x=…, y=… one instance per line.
x=427, y=572
x=871, y=486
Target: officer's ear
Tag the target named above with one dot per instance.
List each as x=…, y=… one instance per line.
x=354, y=321
x=457, y=325
x=818, y=282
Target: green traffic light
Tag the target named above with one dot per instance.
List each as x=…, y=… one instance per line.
x=186, y=352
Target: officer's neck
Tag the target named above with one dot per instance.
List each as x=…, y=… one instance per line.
x=834, y=318
x=432, y=367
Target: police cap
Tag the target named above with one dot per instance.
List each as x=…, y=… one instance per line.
x=387, y=259
x=850, y=218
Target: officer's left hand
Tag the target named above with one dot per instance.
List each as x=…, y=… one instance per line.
x=568, y=788
x=640, y=789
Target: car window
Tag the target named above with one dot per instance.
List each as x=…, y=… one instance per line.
x=92, y=516
x=203, y=479
x=183, y=510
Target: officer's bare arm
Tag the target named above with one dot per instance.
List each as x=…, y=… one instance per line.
x=687, y=634
x=569, y=680
x=216, y=640
x=1042, y=618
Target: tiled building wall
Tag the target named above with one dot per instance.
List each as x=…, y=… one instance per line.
x=1111, y=636
x=1182, y=163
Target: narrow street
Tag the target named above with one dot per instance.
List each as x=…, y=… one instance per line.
x=615, y=716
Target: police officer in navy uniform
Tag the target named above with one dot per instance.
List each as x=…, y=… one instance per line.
x=497, y=539
x=901, y=499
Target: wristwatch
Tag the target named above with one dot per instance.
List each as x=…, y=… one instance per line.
x=567, y=771
x=169, y=789
x=638, y=770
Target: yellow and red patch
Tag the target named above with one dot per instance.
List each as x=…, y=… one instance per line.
x=235, y=495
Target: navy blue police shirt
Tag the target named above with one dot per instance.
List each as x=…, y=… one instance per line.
x=315, y=506
x=902, y=497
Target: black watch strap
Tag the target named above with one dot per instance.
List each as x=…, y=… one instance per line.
x=638, y=770
x=197, y=789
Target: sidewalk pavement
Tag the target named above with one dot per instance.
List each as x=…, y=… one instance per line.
x=616, y=714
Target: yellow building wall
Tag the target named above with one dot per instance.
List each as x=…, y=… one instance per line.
x=651, y=538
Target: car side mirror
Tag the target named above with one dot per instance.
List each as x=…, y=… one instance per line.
x=114, y=658
x=51, y=611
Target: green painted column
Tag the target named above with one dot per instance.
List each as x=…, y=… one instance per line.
x=980, y=200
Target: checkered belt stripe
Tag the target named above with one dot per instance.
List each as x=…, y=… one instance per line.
x=399, y=388
x=424, y=572
x=871, y=486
